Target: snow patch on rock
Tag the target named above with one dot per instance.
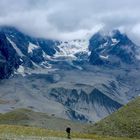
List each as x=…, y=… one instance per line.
x=115, y=41
x=15, y=47
x=21, y=70
x=32, y=47
x=104, y=57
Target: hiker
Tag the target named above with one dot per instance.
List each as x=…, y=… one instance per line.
x=68, y=129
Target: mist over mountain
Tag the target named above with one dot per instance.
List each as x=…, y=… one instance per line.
x=67, y=20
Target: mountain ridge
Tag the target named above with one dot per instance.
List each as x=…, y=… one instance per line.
x=49, y=69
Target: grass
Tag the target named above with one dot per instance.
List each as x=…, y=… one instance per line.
x=14, y=116
x=26, y=117
x=125, y=122
x=23, y=131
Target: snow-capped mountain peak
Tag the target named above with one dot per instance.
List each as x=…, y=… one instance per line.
x=70, y=48
x=116, y=45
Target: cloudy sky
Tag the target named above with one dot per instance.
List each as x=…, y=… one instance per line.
x=71, y=19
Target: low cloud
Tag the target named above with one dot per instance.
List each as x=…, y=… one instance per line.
x=71, y=19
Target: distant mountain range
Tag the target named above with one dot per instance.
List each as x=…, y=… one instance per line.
x=83, y=80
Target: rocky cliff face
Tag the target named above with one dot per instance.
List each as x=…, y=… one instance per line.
x=89, y=106
x=9, y=60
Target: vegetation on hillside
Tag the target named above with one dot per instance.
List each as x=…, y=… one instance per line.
x=26, y=117
x=125, y=122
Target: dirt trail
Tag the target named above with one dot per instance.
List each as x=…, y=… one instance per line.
x=35, y=138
